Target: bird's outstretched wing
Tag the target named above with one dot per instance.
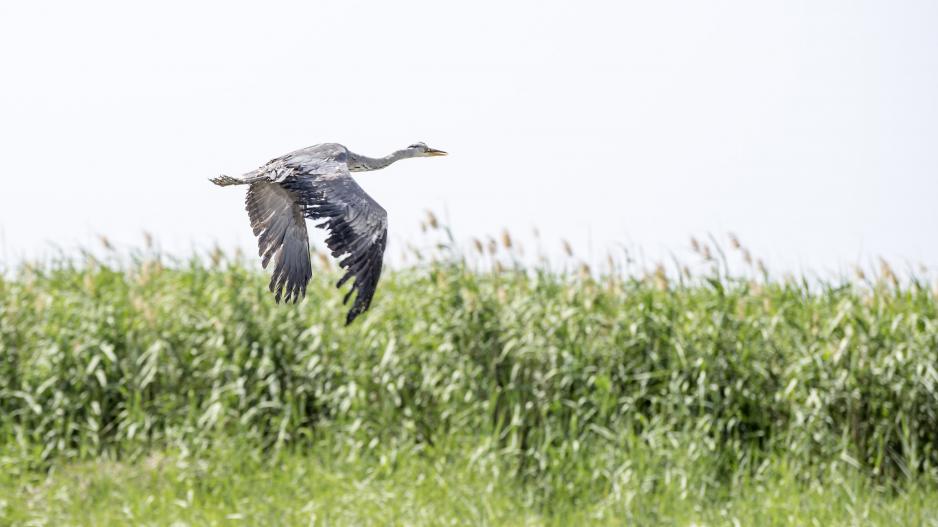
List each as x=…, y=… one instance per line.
x=358, y=229
x=278, y=222
x=315, y=183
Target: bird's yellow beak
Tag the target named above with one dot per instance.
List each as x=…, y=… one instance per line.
x=434, y=152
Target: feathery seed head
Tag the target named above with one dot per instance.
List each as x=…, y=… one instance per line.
x=734, y=241
x=887, y=273
x=761, y=266
x=695, y=245
x=858, y=272
x=432, y=220
x=105, y=242
x=216, y=255
x=506, y=239
x=661, y=277
x=567, y=248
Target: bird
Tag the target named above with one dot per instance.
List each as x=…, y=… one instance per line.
x=316, y=183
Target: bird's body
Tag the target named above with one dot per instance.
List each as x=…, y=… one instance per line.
x=316, y=183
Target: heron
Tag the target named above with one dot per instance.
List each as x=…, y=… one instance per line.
x=316, y=183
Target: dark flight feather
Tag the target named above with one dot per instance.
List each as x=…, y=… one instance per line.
x=277, y=221
x=358, y=228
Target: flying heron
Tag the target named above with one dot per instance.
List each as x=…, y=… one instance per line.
x=316, y=183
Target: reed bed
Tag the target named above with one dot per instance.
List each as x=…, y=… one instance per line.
x=581, y=382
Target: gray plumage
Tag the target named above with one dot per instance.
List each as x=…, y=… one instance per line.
x=316, y=183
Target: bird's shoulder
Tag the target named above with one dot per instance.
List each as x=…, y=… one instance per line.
x=332, y=152
x=324, y=160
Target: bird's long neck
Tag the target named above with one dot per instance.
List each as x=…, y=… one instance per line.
x=360, y=163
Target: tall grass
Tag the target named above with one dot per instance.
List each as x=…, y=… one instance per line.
x=580, y=385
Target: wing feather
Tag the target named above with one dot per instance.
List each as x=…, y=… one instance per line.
x=277, y=220
x=357, y=226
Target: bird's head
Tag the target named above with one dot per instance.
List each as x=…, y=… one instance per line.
x=422, y=150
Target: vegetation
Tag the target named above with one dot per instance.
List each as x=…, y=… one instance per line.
x=242, y=486
x=476, y=391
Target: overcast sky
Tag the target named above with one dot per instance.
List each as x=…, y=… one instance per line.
x=809, y=128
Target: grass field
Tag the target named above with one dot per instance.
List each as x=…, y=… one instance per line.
x=137, y=390
x=240, y=486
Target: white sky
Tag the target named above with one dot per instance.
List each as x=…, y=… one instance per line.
x=809, y=128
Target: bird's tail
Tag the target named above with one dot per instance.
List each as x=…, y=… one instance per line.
x=224, y=181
